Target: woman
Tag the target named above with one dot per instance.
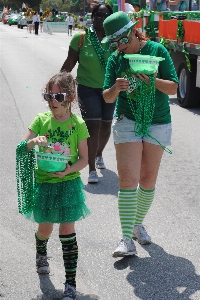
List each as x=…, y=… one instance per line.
x=92, y=58
x=138, y=157
x=36, y=22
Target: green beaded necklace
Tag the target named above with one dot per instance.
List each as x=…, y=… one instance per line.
x=25, y=177
x=97, y=46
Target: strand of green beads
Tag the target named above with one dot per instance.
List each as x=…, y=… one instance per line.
x=98, y=48
x=145, y=99
x=143, y=113
x=25, y=177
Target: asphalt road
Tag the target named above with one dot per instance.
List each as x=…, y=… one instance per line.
x=168, y=269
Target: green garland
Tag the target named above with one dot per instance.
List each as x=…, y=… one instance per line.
x=186, y=57
x=25, y=177
x=180, y=31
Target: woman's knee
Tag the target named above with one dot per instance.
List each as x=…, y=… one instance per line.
x=128, y=183
x=106, y=126
x=93, y=125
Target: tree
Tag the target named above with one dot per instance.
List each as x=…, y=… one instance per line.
x=56, y=4
x=14, y=4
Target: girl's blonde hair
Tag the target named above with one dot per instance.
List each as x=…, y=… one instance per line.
x=66, y=82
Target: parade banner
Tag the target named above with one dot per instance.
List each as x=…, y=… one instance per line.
x=50, y=27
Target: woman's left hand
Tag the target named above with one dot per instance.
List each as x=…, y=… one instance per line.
x=143, y=77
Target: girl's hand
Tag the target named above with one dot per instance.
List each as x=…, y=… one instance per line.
x=63, y=173
x=40, y=141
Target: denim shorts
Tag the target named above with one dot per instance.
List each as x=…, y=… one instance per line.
x=92, y=104
x=123, y=132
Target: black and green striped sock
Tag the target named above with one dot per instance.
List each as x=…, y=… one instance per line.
x=70, y=257
x=41, y=244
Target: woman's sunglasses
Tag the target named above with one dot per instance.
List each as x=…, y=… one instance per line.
x=100, y=15
x=123, y=41
x=60, y=97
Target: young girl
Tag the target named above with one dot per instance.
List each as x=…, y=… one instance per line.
x=55, y=197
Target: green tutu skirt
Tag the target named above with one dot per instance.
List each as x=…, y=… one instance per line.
x=60, y=202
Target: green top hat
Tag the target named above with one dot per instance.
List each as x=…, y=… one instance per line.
x=116, y=25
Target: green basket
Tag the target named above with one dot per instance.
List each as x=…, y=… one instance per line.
x=50, y=162
x=143, y=63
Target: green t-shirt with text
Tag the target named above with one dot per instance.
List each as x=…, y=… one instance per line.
x=89, y=72
x=62, y=137
x=118, y=67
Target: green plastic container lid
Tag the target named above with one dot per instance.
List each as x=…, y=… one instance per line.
x=143, y=63
x=50, y=162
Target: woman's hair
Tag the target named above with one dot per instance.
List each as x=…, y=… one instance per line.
x=140, y=36
x=66, y=82
x=95, y=9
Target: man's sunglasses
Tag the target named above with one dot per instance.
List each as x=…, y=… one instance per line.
x=100, y=15
x=123, y=41
x=60, y=97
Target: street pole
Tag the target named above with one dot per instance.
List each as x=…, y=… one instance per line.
x=84, y=8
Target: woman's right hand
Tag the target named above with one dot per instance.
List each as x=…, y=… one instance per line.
x=121, y=84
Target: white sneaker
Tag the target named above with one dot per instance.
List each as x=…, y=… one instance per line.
x=100, y=163
x=140, y=235
x=93, y=177
x=125, y=247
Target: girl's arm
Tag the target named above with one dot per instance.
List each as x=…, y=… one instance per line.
x=34, y=139
x=80, y=164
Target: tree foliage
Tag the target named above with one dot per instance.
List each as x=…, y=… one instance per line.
x=66, y=5
x=57, y=5
x=17, y=4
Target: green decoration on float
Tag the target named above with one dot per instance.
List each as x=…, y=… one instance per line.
x=180, y=31
x=151, y=29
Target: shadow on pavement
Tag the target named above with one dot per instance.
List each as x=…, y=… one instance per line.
x=161, y=276
x=50, y=293
x=108, y=184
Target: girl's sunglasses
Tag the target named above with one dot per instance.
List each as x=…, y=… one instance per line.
x=123, y=41
x=58, y=97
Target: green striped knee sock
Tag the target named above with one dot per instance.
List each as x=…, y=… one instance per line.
x=41, y=244
x=70, y=257
x=144, y=200
x=127, y=205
